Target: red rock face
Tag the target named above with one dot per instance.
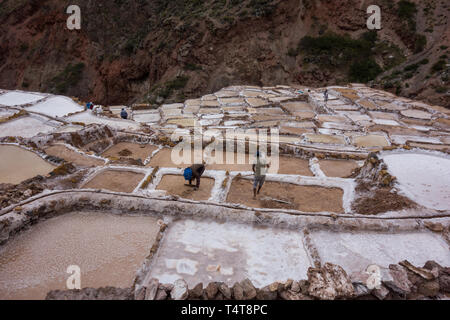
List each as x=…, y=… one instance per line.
x=131, y=49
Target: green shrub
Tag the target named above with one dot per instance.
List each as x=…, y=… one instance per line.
x=292, y=52
x=406, y=9
x=364, y=71
x=438, y=66
x=333, y=46
x=420, y=43
x=71, y=75
x=411, y=67
x=192, y=67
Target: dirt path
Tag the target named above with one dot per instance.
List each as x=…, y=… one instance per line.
x=69, y=155
x=175, y=185
x=303, y=198
x=119, y=181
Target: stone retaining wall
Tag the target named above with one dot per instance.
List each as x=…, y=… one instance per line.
x=401, y=281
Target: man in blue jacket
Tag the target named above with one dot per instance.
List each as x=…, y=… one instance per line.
x=124, y=114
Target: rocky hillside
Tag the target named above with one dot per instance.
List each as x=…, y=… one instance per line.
x=158, y=51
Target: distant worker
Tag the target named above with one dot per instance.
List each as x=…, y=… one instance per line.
x=88, y=105
x=194, y=172
x=325, y=95
x=124, y=114
x=98, y=110
x=259, y=167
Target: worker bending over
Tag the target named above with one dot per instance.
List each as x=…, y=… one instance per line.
x=197, y=172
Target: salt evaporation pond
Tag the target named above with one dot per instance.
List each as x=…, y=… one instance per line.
x=425, y=178
x=27, y=127
x=18, y=164
x=109, y=249
x=202, y=251
x=57, y=107
x=356, y=251
x=19, y=98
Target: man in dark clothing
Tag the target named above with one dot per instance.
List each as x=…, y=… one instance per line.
x=124, y=114
x=197, y=172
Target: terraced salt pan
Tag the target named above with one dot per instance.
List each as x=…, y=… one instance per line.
x=136, y=151
x=18, y=164
x=176, y=185
x=386, y=122
x=5, y=113
x=201, y=251
x=19, y=98
x=26, y=127
x=338, y=168
x=256, y=102
x=57, y=107
x=397, y=139
x=73, y=156
x=287, y=196
x=147, y=117
x=68, y=128
x=115, y=180
x=427, y=146
x=370, y=141
x=88, y=118
x=424, y=178
x=356, y=251
x=322, y=138
x=109, y=249
x=295, y=131
x=297, y=106
x=418, y=114
x=339, y=126
x=170, y=158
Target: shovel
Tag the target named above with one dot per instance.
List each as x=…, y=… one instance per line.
x=276, y=200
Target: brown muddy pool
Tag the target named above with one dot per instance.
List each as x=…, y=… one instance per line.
x=17, y=165
x=109, y=249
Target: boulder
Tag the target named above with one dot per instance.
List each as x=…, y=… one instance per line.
x=295, y=287
x=211, y=290
x=422, y=272
x=161, y=295
x=329, y=282
x=304, y=286
x=429, y=288
x=444, y=283
x=398, y=280
x=381, y=293
x=151, y=288
x=435, y=227
x=180, y=290
x=288, y=284
x=360, y=289
x=290, y=295
x=238, y=292
x=139, y=294
x=267, y=294
x=249, y=291
x=197, y=292
x=225, y=290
